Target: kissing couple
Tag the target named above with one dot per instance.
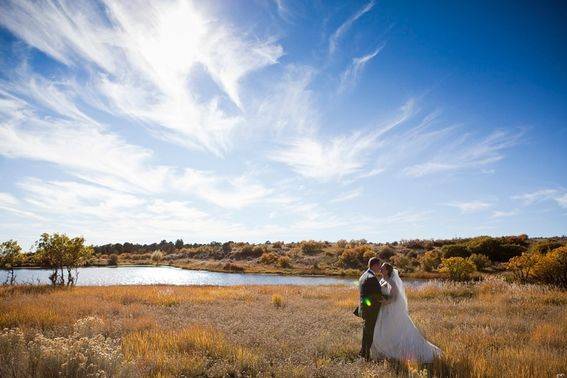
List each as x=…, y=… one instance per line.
x=388, y=329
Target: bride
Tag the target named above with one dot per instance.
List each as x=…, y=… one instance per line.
x=395, y=335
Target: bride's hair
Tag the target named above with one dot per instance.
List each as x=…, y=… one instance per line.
x=389, y=268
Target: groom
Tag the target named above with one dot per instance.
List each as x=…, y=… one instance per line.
x=370, y=298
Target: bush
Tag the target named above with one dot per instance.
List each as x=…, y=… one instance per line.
x=495, y=249
x=249, y=251
x=458, y=268
x=455, y=250
x=311, y=247
x=523, y=266
x=402, y=262
x=386, y=252
x=74, y=356
x=157, y=257
x=429, y=261
x=552, y=267
x=268, y=258
x=232, y=267
x=544, y=246
x=356, y=257
x=113, y=260
x=284, y=262
x=342, y=243
x=479, y=261
x=277, y=300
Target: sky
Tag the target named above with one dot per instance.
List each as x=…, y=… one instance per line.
x=282, y=120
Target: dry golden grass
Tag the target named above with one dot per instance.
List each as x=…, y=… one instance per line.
x=487, y=329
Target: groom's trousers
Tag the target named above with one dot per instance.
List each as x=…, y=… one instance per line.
x=368, y=334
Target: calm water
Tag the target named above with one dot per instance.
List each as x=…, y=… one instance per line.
x=148, y=275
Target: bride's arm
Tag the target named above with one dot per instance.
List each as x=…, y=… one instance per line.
x=393, y=294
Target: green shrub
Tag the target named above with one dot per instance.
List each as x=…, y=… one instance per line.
x=494, y=249
x=479, y=261
x=458, y=268
x=455, y=250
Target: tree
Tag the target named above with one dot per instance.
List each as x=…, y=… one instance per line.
x=10, y=256
x=60, y=253
x=179, y=244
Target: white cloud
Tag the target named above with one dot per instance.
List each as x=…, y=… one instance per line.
x=503, y=213
x=345, y=26
x=325, y=160
x=347, y=196
x=349, y=77
x=143, y=54
x=463, y=154
x=556, y=195
x=471, y=206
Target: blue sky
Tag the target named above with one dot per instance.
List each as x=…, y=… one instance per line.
x=280, y=120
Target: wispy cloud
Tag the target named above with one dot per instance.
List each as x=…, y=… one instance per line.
x=462, y=154
x=349, y=77
x=347, y=196
x=345, y=26
x=143, y=55
x=470, y=206
x=504, y=213
x=335, y=158
x=559, y=196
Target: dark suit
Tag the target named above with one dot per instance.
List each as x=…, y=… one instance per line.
x=370, y=297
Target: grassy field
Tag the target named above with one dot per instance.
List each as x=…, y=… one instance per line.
x=489, y=329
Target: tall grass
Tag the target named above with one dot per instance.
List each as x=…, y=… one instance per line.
x=486, y=329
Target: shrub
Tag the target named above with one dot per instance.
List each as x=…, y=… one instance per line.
x=356, y=257
x=157, y=257
x=523, y=266
x=402, y=262
x=113, y=260
x=284, y=262
x=277, y=300
x=311, y=247
x=455, y=250
x=479, y=261
x=458, y=268
x=495, y=249
x=268, y=258
x=386, y=252
x=74, y=356
x=249, y=251
x=544, y=246
x=429, y=261
x=342, y=243
x=552, y=267
x=232, y=267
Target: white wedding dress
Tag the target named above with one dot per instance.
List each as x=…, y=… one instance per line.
x=395, y=335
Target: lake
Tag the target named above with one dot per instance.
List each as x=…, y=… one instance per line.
x=166, y=275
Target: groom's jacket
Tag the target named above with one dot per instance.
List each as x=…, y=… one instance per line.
x=370, y=295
